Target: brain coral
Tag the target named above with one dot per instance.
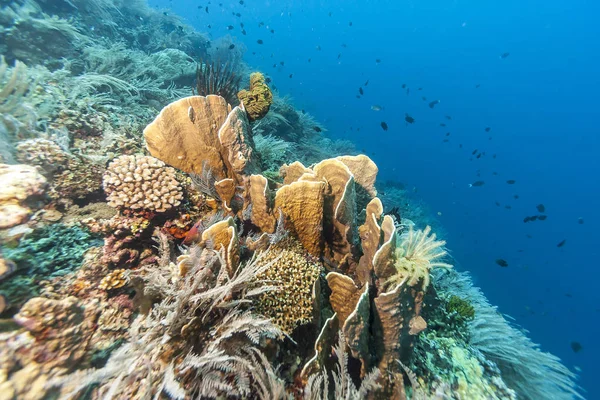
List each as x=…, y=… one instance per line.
x=141, y=183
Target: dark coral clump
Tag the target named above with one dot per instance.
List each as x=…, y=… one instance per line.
x=461, y=307
x=219, y=79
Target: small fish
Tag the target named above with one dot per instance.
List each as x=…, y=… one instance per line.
x=540, y=207
x=442, y=124
x=242, y=2
x=350, y=23
x=259, y=41
x=272, y=30
x=562, y=243
x=447, y=133
x=542, y=217
x=576, y=347
x=434, y=103
x=209, y=27
x=344, y=45
x=261, y=24
x=487, y=129
x=448, y=117
x=231, y=46
x=511, y=181
x=502, y=263
x=268, y=80
x=384, y=126
x=377, y=61
x=229, y=27
x=361, y=91
x=310, y=59
x=474, y=152
x=477, y=184
x=404, y=86
x=317, y=129
x=195, y=233
x=366, y=83
x=504, y=55
x=339, y=56
x=580, y=221
x=516, y=196
x=409, y=119
x=241, y=24
x=243, y=32
x=282, y=63
x=477, y=86
x=318, y=48
x=291, y=76
x=375, y=107
x=206, y=9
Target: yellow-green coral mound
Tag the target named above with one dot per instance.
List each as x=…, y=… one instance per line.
x=295, y=274
x=258, y=99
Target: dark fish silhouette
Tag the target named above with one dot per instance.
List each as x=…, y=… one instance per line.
x=243, y=32
x=576, y=347
x=542, y=217
x=562, y=243
x=259, y=41
x=384, y=126
x=350, y=23
x=442, y=124
x=317, y=129
x=291, y=76
x=433, y=103
x=488, y=129
x=404, y=86
x=231, y=46
x=504, y=55
x=448, y=117
x=502, y=263
x=377, y=61
x=580, y=221
x=361, y=91
x=511, y=181
x=409, y=119
x=366, y=83
x=474, y=152
x=477, y=184
x=540, y=208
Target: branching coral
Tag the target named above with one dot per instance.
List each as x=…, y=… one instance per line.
x=416, y=255
x=142, y=183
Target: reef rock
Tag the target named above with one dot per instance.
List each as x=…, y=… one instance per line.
x=19, y=186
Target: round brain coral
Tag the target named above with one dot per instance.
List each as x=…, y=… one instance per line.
x=141, y=183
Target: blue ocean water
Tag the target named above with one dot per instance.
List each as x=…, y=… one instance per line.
x=540, y=101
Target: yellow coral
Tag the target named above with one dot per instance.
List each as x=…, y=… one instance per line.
x=258, y=99
x=113, y=280
x=295, y=275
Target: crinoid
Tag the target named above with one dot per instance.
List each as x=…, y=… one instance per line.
x=218, y=78
x=416, y=255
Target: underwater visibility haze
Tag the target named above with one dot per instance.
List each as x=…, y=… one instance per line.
x=299, y=199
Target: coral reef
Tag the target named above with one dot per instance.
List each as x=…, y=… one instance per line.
x=217, y=263
x=257, y=100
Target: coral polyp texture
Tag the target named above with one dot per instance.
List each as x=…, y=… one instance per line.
x=248, y=256
x=141, y=183
x=294, y=274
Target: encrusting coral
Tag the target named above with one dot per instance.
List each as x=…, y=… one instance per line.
x=258, y=98
x=141, y=183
